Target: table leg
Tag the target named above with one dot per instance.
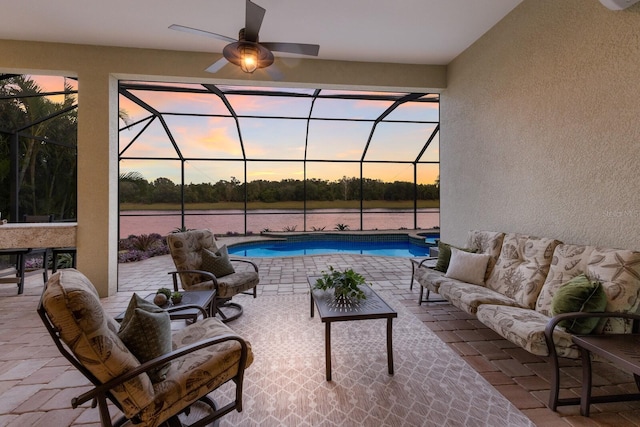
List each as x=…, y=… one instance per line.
x=585, y=398
x=327, y=348
x=311, y=301
x=413, y=273
x=390, y=344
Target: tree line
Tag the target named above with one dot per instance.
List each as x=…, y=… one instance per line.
x=46, y=132
x=135, y=189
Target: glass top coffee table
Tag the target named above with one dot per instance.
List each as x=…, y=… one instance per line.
x=203, y=299
x=330, y=310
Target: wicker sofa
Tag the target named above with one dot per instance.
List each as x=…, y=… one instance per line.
x=522, y=275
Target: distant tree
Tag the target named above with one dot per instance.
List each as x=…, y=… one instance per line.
x=165, y=191
x=47, y=148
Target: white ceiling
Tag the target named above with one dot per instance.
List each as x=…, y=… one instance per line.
x=398, y=31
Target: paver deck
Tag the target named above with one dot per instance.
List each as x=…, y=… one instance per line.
x=35, y=380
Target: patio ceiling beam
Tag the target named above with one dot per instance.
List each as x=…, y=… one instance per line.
x=150, y=120
x=426, y=145
x=214, y=89
x=38, y=95
x=48, y=117
x=385, y=113
x=8, y=76
x=255, y=92
x=156, y=113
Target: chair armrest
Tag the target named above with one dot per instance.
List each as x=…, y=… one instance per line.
x=158, y=361
x=255, y=267
x=210, y=275
x=187, y=307
x=431, y=258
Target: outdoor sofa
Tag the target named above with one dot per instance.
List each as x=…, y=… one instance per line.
x=522, y=287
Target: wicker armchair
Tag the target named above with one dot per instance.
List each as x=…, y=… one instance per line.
x=205, y=356
x=187, y=250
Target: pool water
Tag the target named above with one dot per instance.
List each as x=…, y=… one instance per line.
x=322, y=247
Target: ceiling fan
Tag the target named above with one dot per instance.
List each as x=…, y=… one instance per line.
x=247, y=52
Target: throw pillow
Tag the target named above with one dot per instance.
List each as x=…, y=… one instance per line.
x=217, y=262
x=467, y=267
x=579, y=295
x=146, y=331
x=444, y=255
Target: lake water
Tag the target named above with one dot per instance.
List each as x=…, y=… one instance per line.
x=230, y=221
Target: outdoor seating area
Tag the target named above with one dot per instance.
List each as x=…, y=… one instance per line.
x=149, y=372
x=38, y=381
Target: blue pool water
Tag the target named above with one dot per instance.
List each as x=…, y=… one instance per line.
x=321, y=247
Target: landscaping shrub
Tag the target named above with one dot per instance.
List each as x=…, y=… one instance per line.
x=137, y=248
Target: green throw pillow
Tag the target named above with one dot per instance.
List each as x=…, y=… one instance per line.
x=444, y=255
x=579, y=295
x=146, y=331
x=217, y=262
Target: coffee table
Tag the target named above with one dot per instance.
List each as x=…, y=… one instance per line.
x=203, y=299
x=373, y=307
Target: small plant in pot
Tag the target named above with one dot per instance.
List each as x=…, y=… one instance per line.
x=176, y=297
x=345, y=284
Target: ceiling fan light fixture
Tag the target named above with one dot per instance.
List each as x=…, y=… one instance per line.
x=248, y=58
x=247, y=52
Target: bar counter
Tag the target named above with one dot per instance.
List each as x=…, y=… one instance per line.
x=38, y=235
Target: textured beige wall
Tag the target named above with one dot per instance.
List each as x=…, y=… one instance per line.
x=98, y=69
x=541, y=127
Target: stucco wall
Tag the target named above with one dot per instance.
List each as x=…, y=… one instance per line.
x=541, y=127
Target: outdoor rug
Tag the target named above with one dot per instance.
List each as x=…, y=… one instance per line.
x=286, y=384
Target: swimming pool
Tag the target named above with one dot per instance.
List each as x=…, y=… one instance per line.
x=393, y=246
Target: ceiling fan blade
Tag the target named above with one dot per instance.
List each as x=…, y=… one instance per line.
x=217, y=66
x=201, y=32
x=253, y=21
x=274, y=73
x=299, y=48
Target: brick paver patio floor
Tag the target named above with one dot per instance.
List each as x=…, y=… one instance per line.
x=36, y=384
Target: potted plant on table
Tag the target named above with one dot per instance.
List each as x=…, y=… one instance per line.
x=345, y=284
x=176, y=297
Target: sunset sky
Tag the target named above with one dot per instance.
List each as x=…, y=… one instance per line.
x=275, y=146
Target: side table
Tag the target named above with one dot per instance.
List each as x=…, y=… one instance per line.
x=191, y=302
x=623, y=350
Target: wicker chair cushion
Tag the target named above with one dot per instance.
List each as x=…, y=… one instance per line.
x=73, y=305
x=196, y=374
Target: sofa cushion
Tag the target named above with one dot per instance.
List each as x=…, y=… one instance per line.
x=467, y=267
x=579, y=295
x=74, y=308
x=146, y=331
x=486, y=242
x=444, y=255
x=525, y=327
x=618, y=270
x=568, y=261
x=469, y=297
x=429, y=278
x=522, y=267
